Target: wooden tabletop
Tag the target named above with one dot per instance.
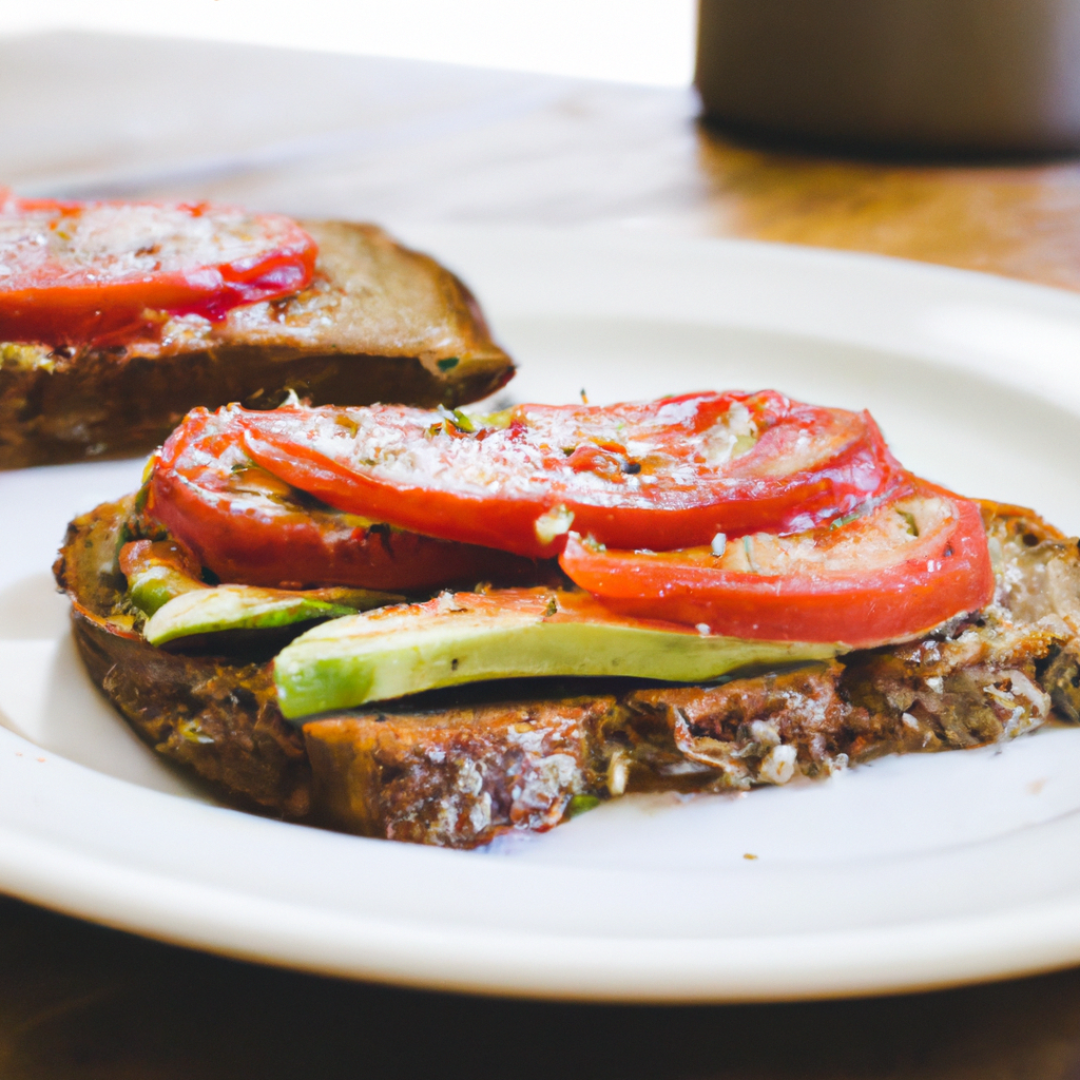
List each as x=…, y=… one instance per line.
x=407, y=143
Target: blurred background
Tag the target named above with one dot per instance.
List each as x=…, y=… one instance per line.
x=640, y=41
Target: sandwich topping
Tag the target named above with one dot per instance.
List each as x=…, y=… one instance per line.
x=745, y=516
x=247, y=525
x=661, y=475
x=103, y=273
x=505, y=634
x=118, y=318
x=898, y=570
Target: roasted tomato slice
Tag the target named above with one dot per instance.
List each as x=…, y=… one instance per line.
x=893, y=573
x=661, y=474
x=251, y=528
x=104, y=272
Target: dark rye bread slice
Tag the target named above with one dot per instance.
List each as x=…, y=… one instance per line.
x=379, y=323
x=457, y=768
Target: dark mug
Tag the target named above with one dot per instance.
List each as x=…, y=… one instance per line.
x=953, y=76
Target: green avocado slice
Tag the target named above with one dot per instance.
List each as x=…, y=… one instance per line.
x=156, y=574
x=467, y=637
x=162, y=584
x=210, y=610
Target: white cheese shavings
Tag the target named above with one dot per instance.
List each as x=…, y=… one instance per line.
x=778, y=765
x=556, y=522
x=618, y=773
x=447, y=604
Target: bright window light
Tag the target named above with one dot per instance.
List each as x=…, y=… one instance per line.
x=640, y=41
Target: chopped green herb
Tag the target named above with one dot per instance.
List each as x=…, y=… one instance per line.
x=497, y=421
x=344, y=420
x=448, y=364
x=581, y=804
x=748, y=547
x=193, y=733
x=141, y=496
x=124, y=536
x=847, y=519
x=458, y=419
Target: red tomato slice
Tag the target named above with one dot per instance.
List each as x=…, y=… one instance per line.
x=102, y=272
x=250, y=528
x=660, y=474
x=890, y=575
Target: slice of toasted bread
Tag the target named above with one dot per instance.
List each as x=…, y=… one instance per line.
x=378, y=323
x=456, y=769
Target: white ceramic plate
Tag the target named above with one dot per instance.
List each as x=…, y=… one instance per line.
x=912, y=872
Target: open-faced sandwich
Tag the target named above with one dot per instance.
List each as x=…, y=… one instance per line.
x=436, y=627
x=116, y=318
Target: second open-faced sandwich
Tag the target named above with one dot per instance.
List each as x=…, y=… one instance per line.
x=437, y=627
x=116, y=318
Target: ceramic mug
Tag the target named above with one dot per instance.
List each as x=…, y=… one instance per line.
x=954, y=76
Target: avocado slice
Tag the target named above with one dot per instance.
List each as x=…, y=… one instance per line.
x=162, y=584
x=513, y=633
x=156, y=572
x=212, y=609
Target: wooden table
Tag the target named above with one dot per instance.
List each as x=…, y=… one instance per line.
x=410, y=143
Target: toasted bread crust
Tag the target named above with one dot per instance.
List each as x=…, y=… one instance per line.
x=215, y=715
x=457, y=773
x=379, y=323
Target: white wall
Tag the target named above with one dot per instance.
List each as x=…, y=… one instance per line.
x=643, y=41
